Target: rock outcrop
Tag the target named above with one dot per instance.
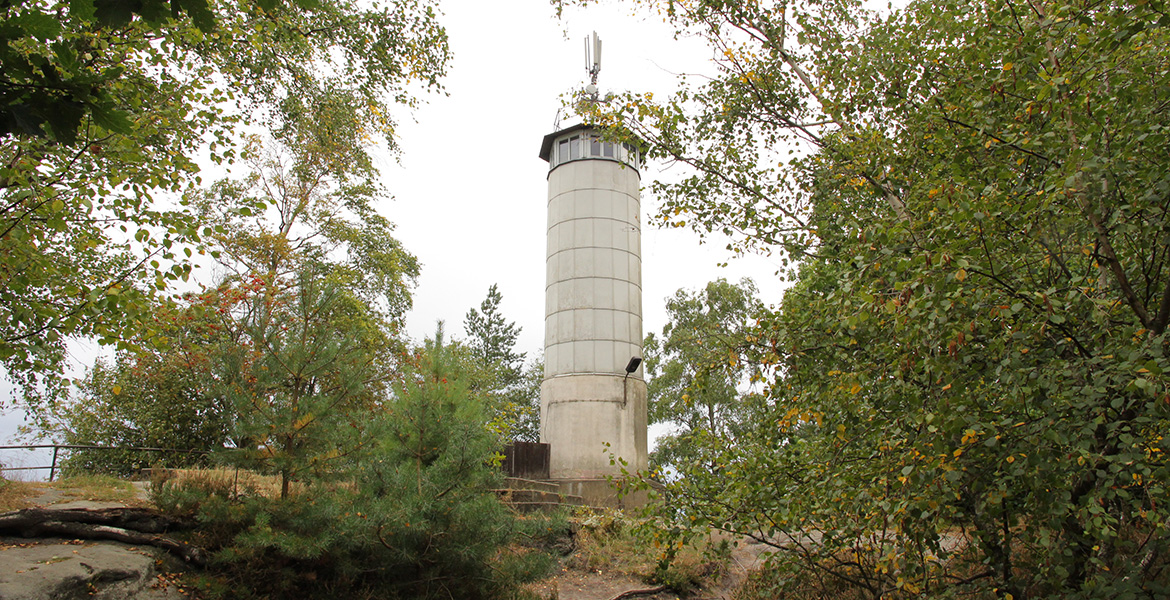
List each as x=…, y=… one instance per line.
x=67, y=570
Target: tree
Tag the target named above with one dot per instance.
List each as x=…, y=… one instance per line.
x=300, y=335
x=698, y=368
x=308, y=204
x=93, y=231
x=417, y=517
x=315, y=294
x=512, y=387
x=968, y=394
x=298, y=372
x=146, y=399
x=432, y=480
x=492, y=338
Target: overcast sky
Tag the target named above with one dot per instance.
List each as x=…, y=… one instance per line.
x=470, y=190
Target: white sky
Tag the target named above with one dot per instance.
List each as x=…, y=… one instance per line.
x=471, y=191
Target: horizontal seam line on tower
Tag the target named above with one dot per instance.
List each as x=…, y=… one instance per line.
x=637, y=198
x=637, y=285
x=631, y=252
x=573, y=341
x=597, y=218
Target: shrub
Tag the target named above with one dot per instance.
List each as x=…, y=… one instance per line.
x=412, y=517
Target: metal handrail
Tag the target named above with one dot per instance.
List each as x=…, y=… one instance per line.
x=57, y=448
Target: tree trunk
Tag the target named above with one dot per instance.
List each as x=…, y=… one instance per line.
x=129, y=525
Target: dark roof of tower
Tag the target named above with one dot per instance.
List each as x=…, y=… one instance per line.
x=547, y=144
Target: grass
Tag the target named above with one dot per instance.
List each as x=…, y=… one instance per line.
x=98, y=488
x=14, y=495
x=230, y=482
x=608, y=541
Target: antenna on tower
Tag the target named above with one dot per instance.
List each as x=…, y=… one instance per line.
x=592, y=63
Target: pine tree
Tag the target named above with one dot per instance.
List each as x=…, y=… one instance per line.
x=415, y=518
x=492, y=338
x=512, y=387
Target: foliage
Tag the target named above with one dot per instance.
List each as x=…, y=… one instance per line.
x=301, y=330
x=969, y=394
x=310, y=309
x=697, y=368
x=150, y=398
x=491, y=337
x=93, y=229
x=308, y=204
x=412, y=517
x=512, y=387
x=53, y=86
x=143, y=400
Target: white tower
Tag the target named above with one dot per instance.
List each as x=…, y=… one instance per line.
x=591, y=407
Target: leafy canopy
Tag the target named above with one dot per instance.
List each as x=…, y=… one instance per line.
x=697, y=368
x=968, y=394
x=93, y=225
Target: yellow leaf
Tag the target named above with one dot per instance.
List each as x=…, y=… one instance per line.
x=117, y=389
x=961, y=274
x=1007, y=67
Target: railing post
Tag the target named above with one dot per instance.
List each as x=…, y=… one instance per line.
x=53, y=468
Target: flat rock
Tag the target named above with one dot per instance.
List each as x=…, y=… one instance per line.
x=60, y=570
x=86, y=504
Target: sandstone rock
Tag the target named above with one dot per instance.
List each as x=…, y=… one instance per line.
x=58, y=570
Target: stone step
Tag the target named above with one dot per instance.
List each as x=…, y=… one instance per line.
x=516, y=483
x=527, y=495
x=528, y=507
x=513, y=496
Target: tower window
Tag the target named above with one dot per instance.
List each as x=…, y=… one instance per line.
x=589, y=145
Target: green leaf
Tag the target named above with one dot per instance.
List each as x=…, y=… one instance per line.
x=35, y=24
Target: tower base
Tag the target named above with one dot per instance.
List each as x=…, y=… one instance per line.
x=595, y=425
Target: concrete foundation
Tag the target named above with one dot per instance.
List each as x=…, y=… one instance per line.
x=592, y=423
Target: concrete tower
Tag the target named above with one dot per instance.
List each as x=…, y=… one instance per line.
x=593, y=312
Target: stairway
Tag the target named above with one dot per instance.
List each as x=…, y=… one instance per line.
x=529, y=495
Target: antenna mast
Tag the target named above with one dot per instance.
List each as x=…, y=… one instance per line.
x=592, y=64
